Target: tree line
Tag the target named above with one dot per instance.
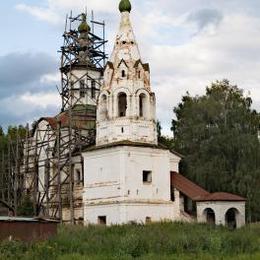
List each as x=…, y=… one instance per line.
x=218, y=135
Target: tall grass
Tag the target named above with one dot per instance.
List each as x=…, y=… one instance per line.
x=154, y=241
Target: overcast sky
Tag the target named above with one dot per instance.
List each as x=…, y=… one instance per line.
x=188, y=44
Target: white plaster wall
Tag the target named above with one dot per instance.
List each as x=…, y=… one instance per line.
x=124, y=213
x=115, y=175
x=155, y=160
x=220, y=208
x=126, y=129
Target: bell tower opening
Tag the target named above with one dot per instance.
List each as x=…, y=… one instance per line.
x=122, y=104
x=142, y=99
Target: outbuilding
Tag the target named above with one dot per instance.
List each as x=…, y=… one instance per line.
x=27, y=229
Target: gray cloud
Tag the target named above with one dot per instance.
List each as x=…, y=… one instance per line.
x=205, y=17
x=30, y=114
x=20, y=72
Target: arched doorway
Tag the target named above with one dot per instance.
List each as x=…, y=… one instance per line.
x=231, y=218
x=122, y=104
x=210, y=216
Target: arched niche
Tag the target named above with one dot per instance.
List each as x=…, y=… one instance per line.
x=143, y=103
x=210, y=216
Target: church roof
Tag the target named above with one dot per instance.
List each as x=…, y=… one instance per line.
x=129, y=143
x=222, y=196
x=83, y=118
x=197, y=193
x=187, y=187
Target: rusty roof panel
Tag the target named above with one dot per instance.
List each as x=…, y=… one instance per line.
x=187, y=187
x=196, y=193
x=222, y=196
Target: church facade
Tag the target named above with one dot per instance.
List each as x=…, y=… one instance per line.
x=124, y=175
x=128, y=176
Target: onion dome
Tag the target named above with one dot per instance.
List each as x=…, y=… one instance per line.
x=84, y=27
x=125, y=6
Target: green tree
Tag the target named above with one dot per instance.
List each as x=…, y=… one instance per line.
x=217, y=134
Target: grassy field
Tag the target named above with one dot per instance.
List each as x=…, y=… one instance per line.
x=155, y=241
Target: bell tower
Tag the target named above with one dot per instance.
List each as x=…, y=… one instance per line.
x=127, y=174
x=126, y=104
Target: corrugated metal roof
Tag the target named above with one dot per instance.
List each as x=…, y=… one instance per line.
x=187, y=187
x=196, y=193
x=24, y=219
x=222, y=196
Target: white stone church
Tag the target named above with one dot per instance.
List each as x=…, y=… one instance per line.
x=128, y=176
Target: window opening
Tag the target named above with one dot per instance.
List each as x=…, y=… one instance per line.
x=147, y=177
x=148, y=220
x=78, y=176
x=82, y=88
x=141, y=105
x=102, y=220
x=122, y=105
x=93, y=89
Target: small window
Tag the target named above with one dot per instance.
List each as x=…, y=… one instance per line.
x=93, y=89
x=148, y=220
x=102, y=220
x=122, y=130
x=139, y=74
x=82, y=88
x=124, y=42
x=78, y=176
x=147, y=177
x=123, y=73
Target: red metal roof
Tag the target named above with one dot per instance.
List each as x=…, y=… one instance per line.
x=196, y=193
x=187, y=187
x=222, y=196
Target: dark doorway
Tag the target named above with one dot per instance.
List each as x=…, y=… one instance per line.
x=230, y=218
x=210, y=216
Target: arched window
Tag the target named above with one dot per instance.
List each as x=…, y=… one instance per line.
x=123, y=73
x=122, y=104
x=210, y=216
x=142, y=99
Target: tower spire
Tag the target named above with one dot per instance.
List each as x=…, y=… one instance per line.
x=125, y=46
x=126, y=105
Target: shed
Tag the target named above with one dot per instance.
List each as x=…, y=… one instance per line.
x=27, y=229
